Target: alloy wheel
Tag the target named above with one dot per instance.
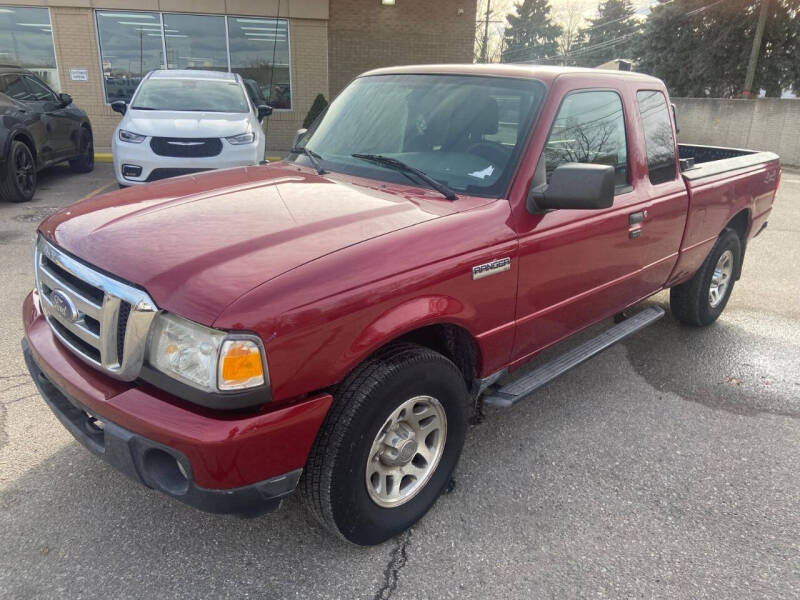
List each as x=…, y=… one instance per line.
x=406, y=451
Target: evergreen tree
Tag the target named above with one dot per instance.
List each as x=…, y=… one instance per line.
x=531, y=34
x=609, y=35
x=701, y=49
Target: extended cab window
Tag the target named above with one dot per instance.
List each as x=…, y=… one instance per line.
x=657, y=136
x=589, y=128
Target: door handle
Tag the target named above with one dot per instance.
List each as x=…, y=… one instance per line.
x=637, y=217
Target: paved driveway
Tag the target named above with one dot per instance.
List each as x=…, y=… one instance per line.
x=666, y=467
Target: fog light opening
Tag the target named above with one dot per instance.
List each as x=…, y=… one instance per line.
x=131, y=171
x=166, y=472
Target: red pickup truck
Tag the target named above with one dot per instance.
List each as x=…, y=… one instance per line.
x=331, y=321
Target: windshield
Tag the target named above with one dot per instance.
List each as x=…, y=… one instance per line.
x=463, y=131
x=191, y=94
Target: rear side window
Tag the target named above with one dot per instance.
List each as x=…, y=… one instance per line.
x=657, y=136
x=589, y=128
x=16, y=88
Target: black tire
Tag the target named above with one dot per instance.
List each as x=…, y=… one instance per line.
x=334, y=484
x=690, y=301
x=84, y=163
x=18, y=181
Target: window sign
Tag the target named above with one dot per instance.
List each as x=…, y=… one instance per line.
x=79, y=74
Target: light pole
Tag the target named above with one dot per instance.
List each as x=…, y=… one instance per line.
x=756, y=49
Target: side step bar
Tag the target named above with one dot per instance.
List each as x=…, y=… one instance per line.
x=515, y=391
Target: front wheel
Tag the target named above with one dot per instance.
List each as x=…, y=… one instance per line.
x=701, y=300
x=18, y=182
x=389, y=445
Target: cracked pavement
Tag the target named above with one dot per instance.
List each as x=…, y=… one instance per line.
x=665, y=467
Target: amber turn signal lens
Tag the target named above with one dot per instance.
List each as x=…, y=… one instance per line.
x=240, y=365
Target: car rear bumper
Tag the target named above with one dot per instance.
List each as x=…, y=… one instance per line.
x=241, y=463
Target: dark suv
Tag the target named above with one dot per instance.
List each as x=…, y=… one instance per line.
x=38, y=128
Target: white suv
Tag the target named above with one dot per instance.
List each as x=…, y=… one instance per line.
x=184, y=121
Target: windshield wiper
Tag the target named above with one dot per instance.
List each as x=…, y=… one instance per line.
x=143, y=108
x=313, y=157
x=388, y=161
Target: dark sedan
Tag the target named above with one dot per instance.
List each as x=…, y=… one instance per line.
x=38, y=128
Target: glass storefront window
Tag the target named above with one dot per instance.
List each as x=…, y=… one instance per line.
x=195, y=42
x=26, y=39
x=130, y=46
x=260, y=51
x=133, y=43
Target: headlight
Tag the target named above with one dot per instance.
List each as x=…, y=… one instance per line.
x=242, y=138
x=205, y=358
x=129, y=136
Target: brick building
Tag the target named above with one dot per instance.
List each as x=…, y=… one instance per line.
x=97, y=50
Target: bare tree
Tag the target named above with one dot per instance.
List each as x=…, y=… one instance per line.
x=494, y=39
x=569, y=14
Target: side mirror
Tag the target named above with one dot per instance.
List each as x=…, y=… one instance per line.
x=119, y=106
x=298, y=136
x=64, y=99
x=574, y=186
x=263, y=110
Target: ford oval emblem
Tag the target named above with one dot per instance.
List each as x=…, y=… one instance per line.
x=64, y=306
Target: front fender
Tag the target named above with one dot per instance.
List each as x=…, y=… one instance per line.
x=406, y=317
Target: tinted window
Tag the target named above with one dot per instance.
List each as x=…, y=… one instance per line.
x=26, y=40
x=657, y=136
x=130, y=47
x=16, y=88
x=195, y=42
x=260, y=51
x=132, y=44
x=464, y=131
x=39, y=91
x=589, y=128
x=192, y=95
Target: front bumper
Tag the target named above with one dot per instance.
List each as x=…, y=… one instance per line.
x=152, y=464
x=241, y=463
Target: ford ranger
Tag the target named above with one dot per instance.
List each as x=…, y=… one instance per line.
x=330, y=322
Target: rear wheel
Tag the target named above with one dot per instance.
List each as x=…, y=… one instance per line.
x=84, y=163
x=18, y=182
x=389, y=445
x=701, y=300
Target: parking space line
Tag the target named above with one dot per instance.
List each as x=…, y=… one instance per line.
x=102, y=188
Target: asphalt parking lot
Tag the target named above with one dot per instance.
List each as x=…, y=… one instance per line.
x=667, y=467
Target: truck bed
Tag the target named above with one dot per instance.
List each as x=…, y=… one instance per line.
x=714, y=160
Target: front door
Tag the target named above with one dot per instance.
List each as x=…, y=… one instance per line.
x=579, y=266
x=58, y=122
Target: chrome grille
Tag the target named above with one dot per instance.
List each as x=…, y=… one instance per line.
x=100, y=319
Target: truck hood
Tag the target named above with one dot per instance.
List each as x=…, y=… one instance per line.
x=167, y=123
x=196, y=243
